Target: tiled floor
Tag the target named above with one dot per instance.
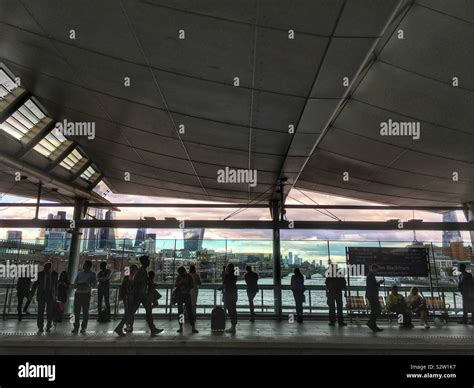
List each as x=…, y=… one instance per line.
x=261, y=337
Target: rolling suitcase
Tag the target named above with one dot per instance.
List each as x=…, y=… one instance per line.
x=218, y=319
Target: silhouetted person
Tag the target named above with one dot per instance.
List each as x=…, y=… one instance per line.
x=139, y=297
x=126, y=295
x=297, y=286
x=23, y=286
x=465, y=287
x=396, y=303
x=46, y=289
x=85, y=281
x=103, y=289
x=417, y=304
x=251, y=279
x=372, y=295
x=63, y=286
x=229, y=288
x=335, y=285
x=195, y=291
x=184, y=285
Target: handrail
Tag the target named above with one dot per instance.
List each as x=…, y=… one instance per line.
x=166, y=310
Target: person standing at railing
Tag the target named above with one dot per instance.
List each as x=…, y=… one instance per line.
x=229, y=288
x=297, y=286
x=23, y=286
x=103, y=292
x=183, y=286
x=46, y=289
x=85, y=281
x=251, y=279
x=372, y=295
x=335, y=284
x=466, y=288
x=195, y=291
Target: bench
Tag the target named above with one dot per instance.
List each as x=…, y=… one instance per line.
x=435, y=304
x=355, y=304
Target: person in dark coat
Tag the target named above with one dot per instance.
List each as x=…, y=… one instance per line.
x=298, y=289
x=251, y=279
x=103, y=289
x=184, y=284
x=23, y=287
x=466, y=288
x=63, y=286
x=229, y=288
x=46, y=289
x=335, y=285
x=372, y=295
x=126, y=295
x=139, y=297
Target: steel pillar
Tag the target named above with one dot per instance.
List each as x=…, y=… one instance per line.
x=74, y=250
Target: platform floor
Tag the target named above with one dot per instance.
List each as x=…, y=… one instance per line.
x=262, y=337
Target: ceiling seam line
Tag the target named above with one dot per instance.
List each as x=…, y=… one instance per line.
x=157, y=86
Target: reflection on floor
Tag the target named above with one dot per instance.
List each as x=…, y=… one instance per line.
x=261, y=337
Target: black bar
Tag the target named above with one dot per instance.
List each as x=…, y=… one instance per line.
x=239, y=224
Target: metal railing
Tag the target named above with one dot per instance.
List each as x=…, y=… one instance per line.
x=210, y=296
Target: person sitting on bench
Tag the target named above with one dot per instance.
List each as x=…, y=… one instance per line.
x=396, y=303
x=417, y=304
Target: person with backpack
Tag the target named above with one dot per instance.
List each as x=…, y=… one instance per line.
x=229, y=288
x=297, y=286
x=251, y=279
x=103, y=292
x=466, y=288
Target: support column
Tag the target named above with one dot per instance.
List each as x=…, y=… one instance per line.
x=38, y=200
x=275, y=210
x=74, y=250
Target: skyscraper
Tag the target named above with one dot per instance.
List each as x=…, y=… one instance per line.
x=56, y=238
x=140, y=237
x=193, y=239
x=150, y=243
x=450, y=236
x=107, y=235
x=92, y=235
